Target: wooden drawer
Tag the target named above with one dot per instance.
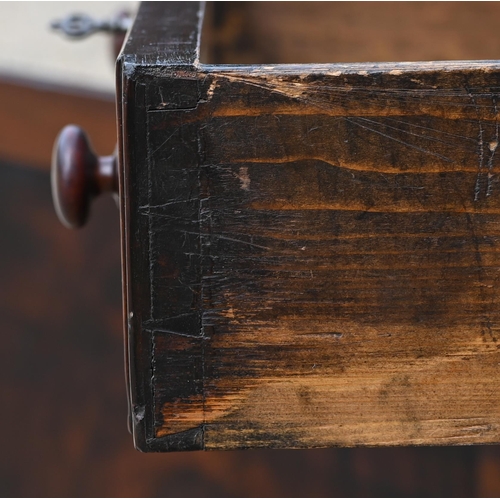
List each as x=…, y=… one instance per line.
x=310, y=251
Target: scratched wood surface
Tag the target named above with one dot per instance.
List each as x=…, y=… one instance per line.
x=311, y=251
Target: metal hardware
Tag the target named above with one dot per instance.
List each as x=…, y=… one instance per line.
x=82, y=25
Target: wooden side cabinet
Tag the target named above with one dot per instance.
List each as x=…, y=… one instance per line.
x=310, y=251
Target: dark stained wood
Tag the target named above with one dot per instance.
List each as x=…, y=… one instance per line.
x=311, y=251
x=174, y=32
x=79, y=175
x=33, y=114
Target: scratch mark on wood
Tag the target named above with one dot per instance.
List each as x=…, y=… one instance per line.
x=420, y=136
x=173, y=332
x=414, y=125
x=422, y=150
x=493, y=145
x=226, y=238
x=480, y=147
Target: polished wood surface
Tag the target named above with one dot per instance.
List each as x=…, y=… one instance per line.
x=79, y=175
x=311, y=251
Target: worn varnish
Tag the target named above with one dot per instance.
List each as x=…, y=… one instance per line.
x=311, y=252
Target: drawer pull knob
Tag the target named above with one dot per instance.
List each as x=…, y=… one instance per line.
x=78, y=175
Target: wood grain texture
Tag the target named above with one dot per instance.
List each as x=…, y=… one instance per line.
x=312, y=251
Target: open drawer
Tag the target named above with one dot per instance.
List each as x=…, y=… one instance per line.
x=310, y=251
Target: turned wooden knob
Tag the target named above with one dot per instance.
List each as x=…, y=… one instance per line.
x=79, y=175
